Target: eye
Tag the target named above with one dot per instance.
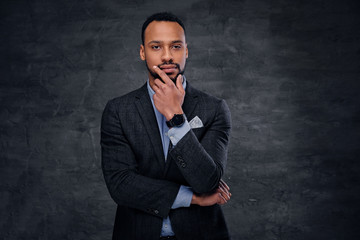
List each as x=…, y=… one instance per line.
x=155, y=47
x=177, y=46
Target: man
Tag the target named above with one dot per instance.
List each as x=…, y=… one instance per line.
x=164, y=147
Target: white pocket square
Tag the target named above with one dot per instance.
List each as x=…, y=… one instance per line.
x=196, y=123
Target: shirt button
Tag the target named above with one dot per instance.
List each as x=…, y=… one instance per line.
x=179, y=158
x=156, y=211
x=183, y=165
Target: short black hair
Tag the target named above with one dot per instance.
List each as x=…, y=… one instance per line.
x=162, y=16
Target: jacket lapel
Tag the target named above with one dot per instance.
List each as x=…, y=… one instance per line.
x=190, y=101
x=146, y=112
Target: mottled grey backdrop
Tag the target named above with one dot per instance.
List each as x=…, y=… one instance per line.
x=289, y=71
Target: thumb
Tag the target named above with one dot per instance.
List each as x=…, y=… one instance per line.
x=179, y=81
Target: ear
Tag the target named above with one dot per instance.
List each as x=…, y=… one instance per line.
x=187, y=52
x=142, y=52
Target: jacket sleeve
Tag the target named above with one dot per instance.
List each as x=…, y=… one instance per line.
x=126, y=186
x=203, y=163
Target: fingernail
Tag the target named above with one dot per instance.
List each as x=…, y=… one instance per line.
x=154, y=67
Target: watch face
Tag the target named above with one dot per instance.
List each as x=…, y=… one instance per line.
x=178, y=119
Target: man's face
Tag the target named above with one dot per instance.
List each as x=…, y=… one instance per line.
x=165, y=47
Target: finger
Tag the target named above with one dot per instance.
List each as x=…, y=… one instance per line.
x=224, y=189
x=224, y=184
x=156, y=88
x=218, y=193
x=160, y=85
x=222, y=200
x=225, y=194
x=163, y=75
x=228, y=193
x=179, y=82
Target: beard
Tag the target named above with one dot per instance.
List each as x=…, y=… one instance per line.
x=155, y=75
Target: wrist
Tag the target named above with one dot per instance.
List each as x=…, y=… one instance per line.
x=195, y=200
x=169, y=115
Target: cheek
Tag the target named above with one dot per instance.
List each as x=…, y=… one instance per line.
x=182, y=60
x=150, y=56
x=154, y=59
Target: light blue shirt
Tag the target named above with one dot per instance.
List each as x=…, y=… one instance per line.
x=184, y=196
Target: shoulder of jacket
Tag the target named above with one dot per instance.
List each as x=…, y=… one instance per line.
x=127, y=98
x=206, y=97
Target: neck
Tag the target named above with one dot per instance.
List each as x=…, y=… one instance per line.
x=151, y=82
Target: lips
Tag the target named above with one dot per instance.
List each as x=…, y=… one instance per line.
x=169, y=68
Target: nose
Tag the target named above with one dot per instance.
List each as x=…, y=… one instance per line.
x=166, y=56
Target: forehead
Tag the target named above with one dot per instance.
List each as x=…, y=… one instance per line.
x=164, y=31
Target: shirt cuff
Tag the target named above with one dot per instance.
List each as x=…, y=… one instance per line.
x=177, y=133
x=183, y=198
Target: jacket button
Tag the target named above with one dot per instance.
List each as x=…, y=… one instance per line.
x=156, y=211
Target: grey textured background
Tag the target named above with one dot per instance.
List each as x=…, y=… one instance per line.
x=289, y=71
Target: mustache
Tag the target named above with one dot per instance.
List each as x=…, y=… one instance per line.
x=169, y=63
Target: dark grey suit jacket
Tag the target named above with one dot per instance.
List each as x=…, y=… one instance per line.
x=145, y=186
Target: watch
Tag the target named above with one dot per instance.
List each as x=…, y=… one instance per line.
x=177, y=121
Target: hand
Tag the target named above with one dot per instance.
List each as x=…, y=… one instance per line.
x=168, y=98
x=220, y=196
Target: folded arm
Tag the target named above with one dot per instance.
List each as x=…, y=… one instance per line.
x=202, y=163
x=126, y=185
x=185, y=195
